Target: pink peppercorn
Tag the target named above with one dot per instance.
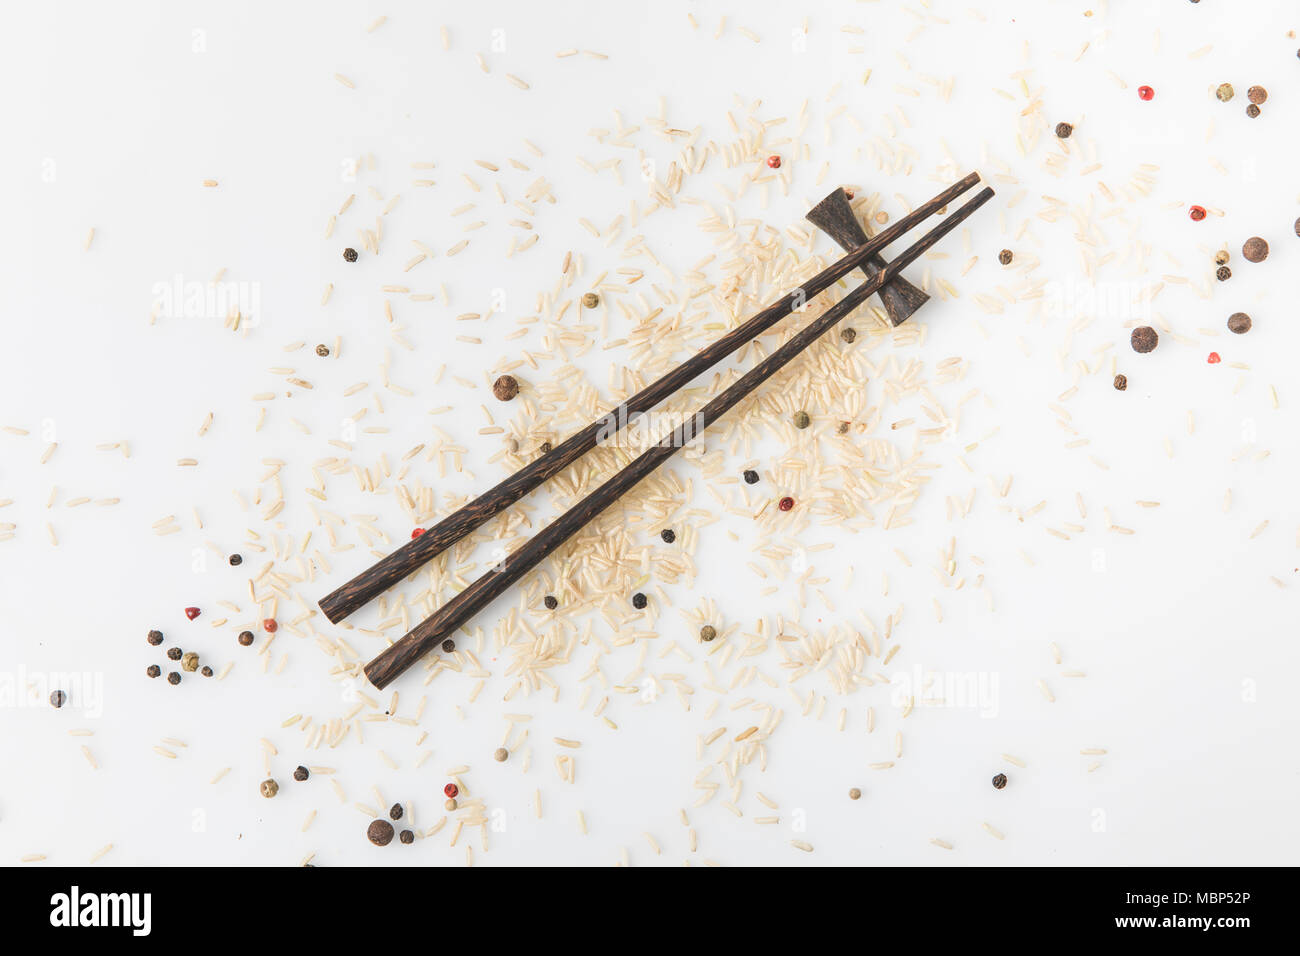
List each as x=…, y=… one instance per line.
x=451, y=790
x=786, y=503
x=774, y=161
x=1214, y=358
x=416, y=533
x=270, y=626
x=1146, y=93
x=1197, y=213
x=192, y=612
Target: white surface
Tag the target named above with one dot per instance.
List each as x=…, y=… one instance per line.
x=1188, y=646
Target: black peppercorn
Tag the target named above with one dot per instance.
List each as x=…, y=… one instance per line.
x=155, y=638
x=751, y=476
x=1223, y=273
x=545, y=447
x=301, y=773
x=57, y=699
x=448, y=646
x=349, y=255
x=1121, y=382
x=639, y=600
x=153, y=670
x=999, y=781
x=669, y=535
x=1253, y=111
x=323, y=350
x=174, y=653
x=406, y=836
x=849, y=335
x=173, y=678
x=1063, y=130
x=1144, y=339
x=395, y=811
x=1239, y=322
x=205, y=670
x=245, y=638
x=1004, y=257
x=380, y=832
x=236, y=560
x=551, y=602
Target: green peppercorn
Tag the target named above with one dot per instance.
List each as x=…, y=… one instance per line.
x=590, y=300
x=1225, y=92
x=269, y=788
x=190, y=662
x=849, y=335
x=855, y=794
x=501, y=755
x=801, y=420
x=708, y=632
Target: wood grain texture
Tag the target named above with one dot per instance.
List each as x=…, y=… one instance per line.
x=457, y=612
x=835, y=217
x=407, y=559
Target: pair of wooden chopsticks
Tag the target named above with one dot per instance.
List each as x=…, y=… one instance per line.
x=388, y=665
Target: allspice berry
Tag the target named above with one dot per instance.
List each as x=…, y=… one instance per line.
x=269, y=788
x=501, y=755
x=1063, y=130
x=1225, y=92
x=1255, y=249
x=1257, y=94
x=1121, y=382
x=380, y=832
x=708, y=632
x=190, y=662
x=1239, y=322
x=1144, y=339
x=505, y=388
x=801, y=419
x=590, y=300
x=1004, y=257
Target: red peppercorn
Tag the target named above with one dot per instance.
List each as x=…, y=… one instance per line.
x=774, y=161
x=1146, y=93
x=270, y=626
x=416, y=533
x=1197, y=213
x=451, y=790
x=786, y=503
x=192, y=612
x=1214, y=358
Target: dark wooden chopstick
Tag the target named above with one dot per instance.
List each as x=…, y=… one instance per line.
x=388, y=665
x=388, y=571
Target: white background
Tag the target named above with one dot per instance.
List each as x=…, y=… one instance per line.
x=114, y=120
